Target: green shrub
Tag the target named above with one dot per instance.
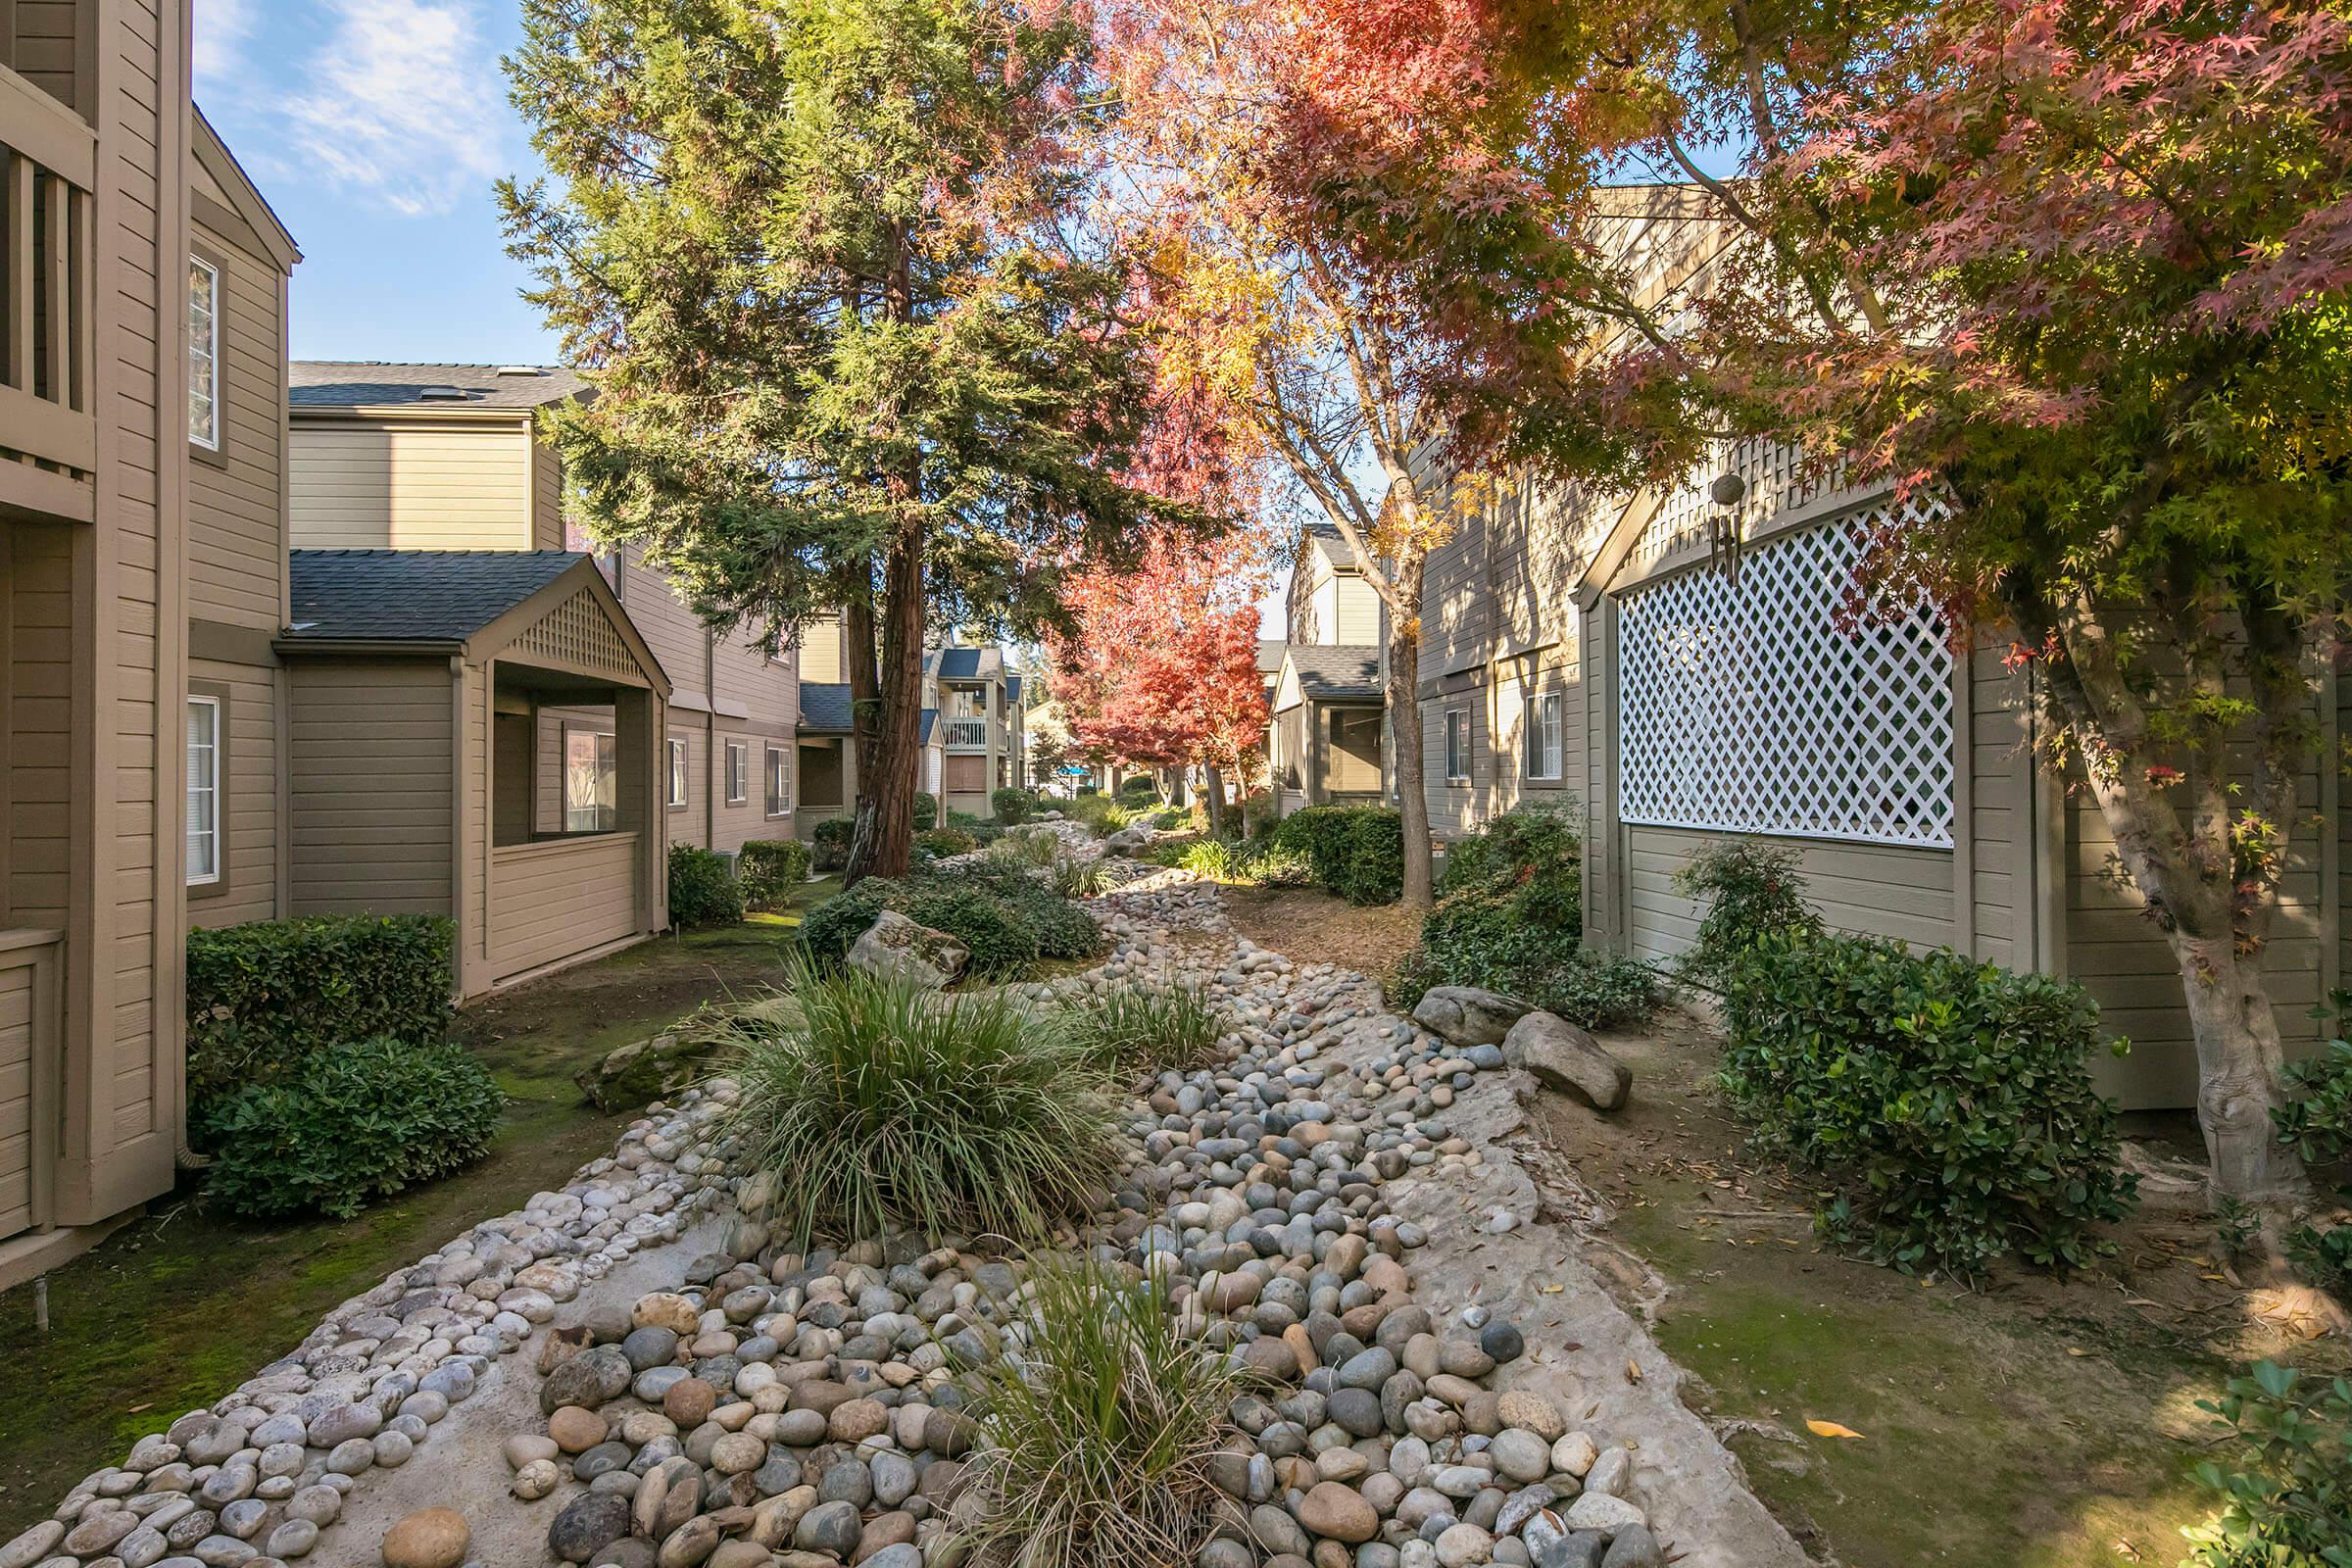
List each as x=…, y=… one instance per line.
x=943, y=842
x=262, y=996
x=926, y=810
x=1074, y=878
x=829, y=930
x=1013, y=805
x=703, y=890
x=1355, y=851
x=2287, y=1481
x=1152, y=1029
x=1033, y=847
x=1005, y=915
x=1510, y=919
x=770, y=870
x=1751, y=890
x=874, y=1106
x=1140, y=789
x=1532, y=853
x=829, y=843
x=1947, y=1101
x=1096, y=813
x=2322, y=1255
x=1002, y=936
x=2316, y=1121
x=358, y=1122
x=1099, y=1430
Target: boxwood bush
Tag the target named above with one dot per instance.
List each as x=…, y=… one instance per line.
x=703, y=890
x=1355, y=851
x=359, y=1120
x=1013, y=805
x=1947, y=1101
x=262, y=996
x=770, y=870
x=829, y=843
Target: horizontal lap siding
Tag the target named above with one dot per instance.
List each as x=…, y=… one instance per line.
x=1866, y=889
x=372, y=787
x=250, y=815
x=40, y=716
x=1999, y=765
x=769, y=692
x=1456, y=809
x=552, y=902
x=236, y=533
x=390, y=486
x=672, y=630
x=16, y=1097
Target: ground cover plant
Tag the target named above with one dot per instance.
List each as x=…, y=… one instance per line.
x=2285, y=1477
x=1007, y=916
x=880, y=1106
x=1948, y=1101
x=357, y=1121
x=1145, y=1028
x=2314, y=1116
x=1100, y=1429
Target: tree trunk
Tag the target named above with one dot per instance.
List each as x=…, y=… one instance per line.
x=885, y=837
x=1404, y=739
x=1216, y=801
x=2239, y=1060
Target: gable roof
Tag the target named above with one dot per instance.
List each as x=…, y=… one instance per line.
x=1012, y=692
x=246, y=201
x=1269, y=655
x=930, y=719
x=960, y=663
x=373, y=384
x=442, y=595
x=1326, y=539
x=1326, y=672
x=825, y=706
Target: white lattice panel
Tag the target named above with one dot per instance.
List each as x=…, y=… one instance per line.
x=1776, y=481
x=1745, y=707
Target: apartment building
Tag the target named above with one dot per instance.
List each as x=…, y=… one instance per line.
x=969, y=730
x=1326, y=744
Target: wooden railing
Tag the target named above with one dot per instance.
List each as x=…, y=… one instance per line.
x=48, y=332
x=967, y=734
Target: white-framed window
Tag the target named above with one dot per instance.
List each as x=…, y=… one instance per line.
x=1765, y=704
x=739, y=773
x=204, y=354
x=1540, y=735
x=204, y=791
x=591, y=780
x=779, y=781
x=1458, y=745
x=677, y=796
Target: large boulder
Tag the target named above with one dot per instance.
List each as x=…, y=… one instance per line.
x=895, y=946
x=651, y=1069
x=1465, y=1015
x=1134, y=836
x=1559, y=1053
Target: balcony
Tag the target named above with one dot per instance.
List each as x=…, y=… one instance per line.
x=967, y=734
x=48, y=335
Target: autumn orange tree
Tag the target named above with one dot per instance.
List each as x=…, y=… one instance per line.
x=1161, y=667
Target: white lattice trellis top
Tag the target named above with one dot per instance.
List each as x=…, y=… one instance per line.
x=1744, y=708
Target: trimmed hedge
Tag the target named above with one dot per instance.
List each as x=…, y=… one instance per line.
x=360, y=1120
x=769, y=870
x=1355, y=851
x=1013, y=805
x=926, y=810
x=829, y=842
x=1947, y=1101
x=703, y=890
x=946, y=841
x=263, y=996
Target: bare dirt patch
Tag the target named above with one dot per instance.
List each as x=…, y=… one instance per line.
x=1308, y=926
x=2033, y=1423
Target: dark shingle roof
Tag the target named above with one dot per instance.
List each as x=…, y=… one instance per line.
x=930, y=718
x=825, y=706
x=1327, y=672
x=368, y=384
x=1012, y=691
x=1325, y=537
x=412, y=595
x=1269, y=655
x=960, y=663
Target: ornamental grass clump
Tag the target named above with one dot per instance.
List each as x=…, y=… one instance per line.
x=880, y=1106
x=1098, y=1426
x=1156, y=1029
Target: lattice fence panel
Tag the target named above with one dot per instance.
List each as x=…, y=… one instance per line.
x=575, y=635
x=1776, y=477
x=1745, y=707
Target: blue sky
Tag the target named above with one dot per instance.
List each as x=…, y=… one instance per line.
x=375, y=129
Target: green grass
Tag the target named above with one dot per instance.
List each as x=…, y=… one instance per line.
x=884, y=1106
x=1100, y=1430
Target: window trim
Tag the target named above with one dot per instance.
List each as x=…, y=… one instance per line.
x=775, y=754
x=568, y=729
x=1542, y=751
x=214, y=696
x=212, y=443
x=739, y=773
x=1457, y=717
x=676, y=780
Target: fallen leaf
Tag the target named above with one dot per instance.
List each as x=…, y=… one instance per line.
x=1633, y=1373
x=2076, y=1350
x=1829, y=1429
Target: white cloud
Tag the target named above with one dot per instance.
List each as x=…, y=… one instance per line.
x=218, y=40
x=403, y=103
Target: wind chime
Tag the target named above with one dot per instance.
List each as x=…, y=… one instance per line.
x=1723, y=526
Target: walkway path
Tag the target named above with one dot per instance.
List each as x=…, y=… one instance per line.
x=1390, y=1153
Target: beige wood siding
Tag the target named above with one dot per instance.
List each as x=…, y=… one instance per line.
x=1356, y=611
x=360, y=485
x=1869, y=889
x=40, y=716
x=236, y=529
x=820, y=653
x=547, y=498
x=17, y=1039
x=472, y=858
x=249, y=817
x=555, y=901
x=41, y=48
x=1455, y=806
x=1999, y=825
x=372, y=786
x=673, y=632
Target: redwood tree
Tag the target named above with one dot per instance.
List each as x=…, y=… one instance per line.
x=812, y=257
